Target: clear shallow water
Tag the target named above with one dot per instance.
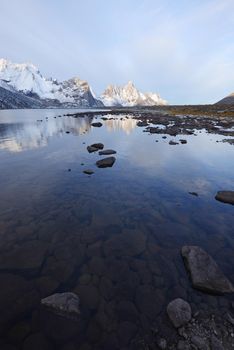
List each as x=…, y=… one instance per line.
x=113, y=237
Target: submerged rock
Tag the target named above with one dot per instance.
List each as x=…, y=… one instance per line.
x=205, y=273
x=225, y=197
x=63, y=304
x=26, y=257
x=106, y=162
x=107, y=152
x=179, y=312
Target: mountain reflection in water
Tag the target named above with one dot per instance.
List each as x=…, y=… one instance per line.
x=17, y=137
x=114, y=237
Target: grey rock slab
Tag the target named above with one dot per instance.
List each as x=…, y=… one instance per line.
x=106, y=162
x=205, y=273
x=63, y=304
x=225, y=197
x=179, y=312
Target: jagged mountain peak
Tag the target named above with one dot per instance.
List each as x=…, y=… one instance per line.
x=26, y=78
x=128, y=95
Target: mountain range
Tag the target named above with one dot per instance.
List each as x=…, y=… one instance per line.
x=23, y=86
x=128, y=95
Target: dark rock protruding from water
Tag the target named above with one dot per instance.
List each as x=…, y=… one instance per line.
x=88, y=171
x=97, y=124
x=225, y=197
x=106, y=162
x=142, y=123
x=194, y=194
x=92, y=149
x=98, y=145
x=173, y=143
x=205, y=273
x=179, y=312
x=107, y=152
x=63, y=304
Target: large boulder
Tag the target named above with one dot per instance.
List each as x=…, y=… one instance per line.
x=179, y=312
x=225, y=197
x=205, y=273
x=63, y=304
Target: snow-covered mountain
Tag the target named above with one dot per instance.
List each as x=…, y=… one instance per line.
x=22, y=80
x=128, y=95
x=26, y=78
x=228, y=100
x=11, y=98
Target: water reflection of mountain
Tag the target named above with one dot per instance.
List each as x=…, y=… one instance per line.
x=125, y=124
x=17, y=137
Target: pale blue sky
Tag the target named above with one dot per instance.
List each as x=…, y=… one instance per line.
x=183, y=49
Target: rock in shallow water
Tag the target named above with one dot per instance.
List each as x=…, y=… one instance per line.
x=98, y=124
x=26, y=257
x=173, y=143
x=63, y=304
x=225, y=197
x=92, y=149
x=88, y=171
x=179, y=312
x=205, y=273
x=98, y=145
x=106, y=162
x=107, y=152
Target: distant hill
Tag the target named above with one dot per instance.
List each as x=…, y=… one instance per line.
x=228, y=100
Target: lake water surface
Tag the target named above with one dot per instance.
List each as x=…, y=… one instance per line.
x=113, y=237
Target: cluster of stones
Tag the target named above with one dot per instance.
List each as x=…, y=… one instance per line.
x=102, y=163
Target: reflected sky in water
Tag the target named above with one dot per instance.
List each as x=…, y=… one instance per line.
x=145, y=191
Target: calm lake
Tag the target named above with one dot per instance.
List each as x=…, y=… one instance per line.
x=114, y=237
